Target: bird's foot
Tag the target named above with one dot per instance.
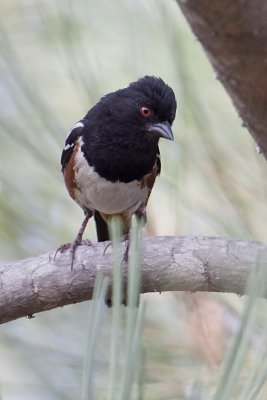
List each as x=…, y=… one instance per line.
x=126, y=251
x=72, y=247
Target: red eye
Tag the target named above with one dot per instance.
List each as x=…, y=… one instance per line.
x=145, y=112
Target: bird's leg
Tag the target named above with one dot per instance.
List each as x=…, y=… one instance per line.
x=78, y=241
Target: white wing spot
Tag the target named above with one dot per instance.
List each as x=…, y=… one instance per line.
x=77, y=125
x=68, y=146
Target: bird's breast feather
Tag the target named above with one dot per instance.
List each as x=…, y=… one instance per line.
x=97, y=193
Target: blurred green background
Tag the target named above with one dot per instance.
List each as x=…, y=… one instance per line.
x=57, y=58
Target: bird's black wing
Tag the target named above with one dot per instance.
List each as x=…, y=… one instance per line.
x=72, y=137
x=74, y=134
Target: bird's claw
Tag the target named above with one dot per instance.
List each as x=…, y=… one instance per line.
x=105, y=249
x=72, y=247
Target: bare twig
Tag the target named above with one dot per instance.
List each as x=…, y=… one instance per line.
x=169, y=264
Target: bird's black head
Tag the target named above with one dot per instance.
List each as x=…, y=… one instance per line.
x=148, y=106
x=127, y=124
x=159, y=104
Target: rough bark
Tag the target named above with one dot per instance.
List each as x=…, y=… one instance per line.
x=168, y=264
x=234, y=35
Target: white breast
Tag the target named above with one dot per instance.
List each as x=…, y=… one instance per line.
x=96, y=193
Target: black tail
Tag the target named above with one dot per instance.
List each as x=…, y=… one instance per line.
x=101, y=228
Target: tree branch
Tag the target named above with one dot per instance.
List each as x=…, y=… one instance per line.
x=234, y=35
x=191, y=263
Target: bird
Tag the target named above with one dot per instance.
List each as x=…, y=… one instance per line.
x=111, y=156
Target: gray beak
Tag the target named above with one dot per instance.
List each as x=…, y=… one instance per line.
x=162, y=129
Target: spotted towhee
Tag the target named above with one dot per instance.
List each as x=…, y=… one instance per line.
x=111, y=156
